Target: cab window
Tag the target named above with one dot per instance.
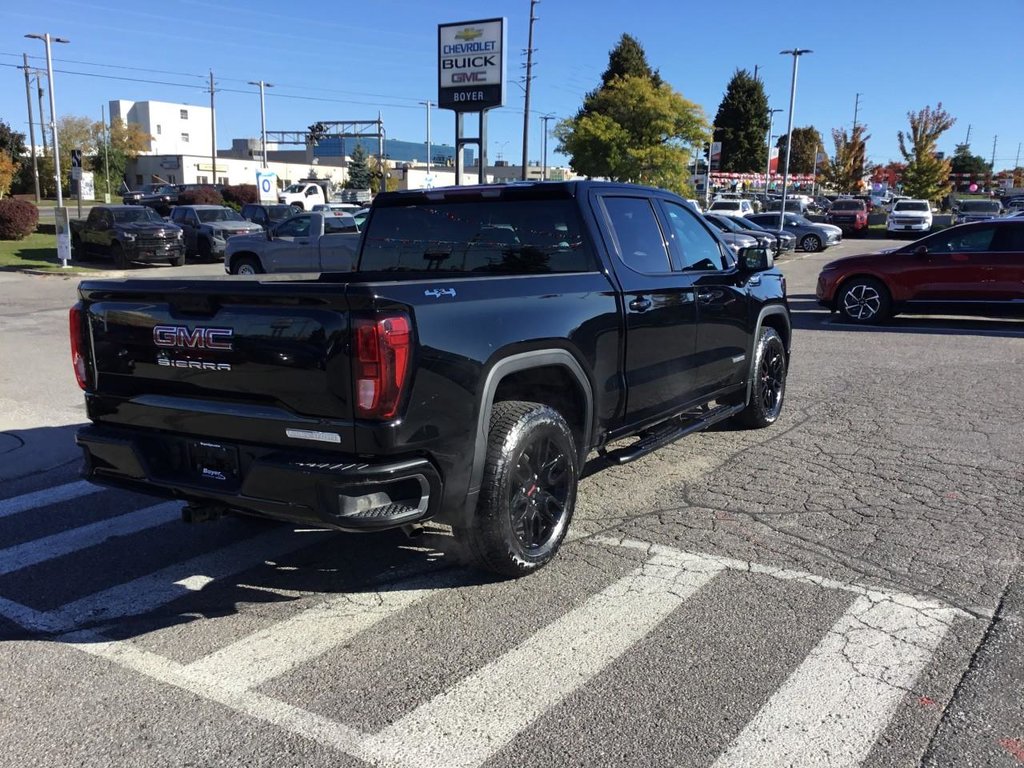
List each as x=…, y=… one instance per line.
x=697, y=248
x=641, y=245
x=297, y=227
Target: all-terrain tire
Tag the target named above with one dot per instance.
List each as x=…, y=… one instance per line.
x=768, y=388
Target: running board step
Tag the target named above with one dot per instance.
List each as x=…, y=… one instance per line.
x=670, y=431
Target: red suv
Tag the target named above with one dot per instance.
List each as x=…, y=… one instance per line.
x=849, y=214
x=973, y=269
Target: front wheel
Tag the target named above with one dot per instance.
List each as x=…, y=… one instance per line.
x=811, y=243
x=178, y=261
x=528, y=491
x=864, y=300
x=120, y=256
x=246, y=266
x=768, y=388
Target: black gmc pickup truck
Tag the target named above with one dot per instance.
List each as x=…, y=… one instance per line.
x=489, y=340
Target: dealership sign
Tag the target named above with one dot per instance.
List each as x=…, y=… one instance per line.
x=471, y=65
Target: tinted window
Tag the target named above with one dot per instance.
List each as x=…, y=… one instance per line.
x=1009, y=238
x=979, y=206
x=338, y=224
x=697, y=247
x=218, y=214
x=178, y=215
x=967, y=240
x=131, y=215
x=911, y=206
x=848, y=205
x=725, y=205
x=641, y=245
x=280, y=212
x=297, y=227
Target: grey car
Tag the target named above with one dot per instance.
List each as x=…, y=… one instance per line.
x=309, y=242
x=775, y=241
x=810, y=236
x=208, y=227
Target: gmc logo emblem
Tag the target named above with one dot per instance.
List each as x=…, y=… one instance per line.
x=196, y=338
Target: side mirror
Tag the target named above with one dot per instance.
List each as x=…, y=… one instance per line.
x=270, y=233
x=921, y=250
x=755, y=259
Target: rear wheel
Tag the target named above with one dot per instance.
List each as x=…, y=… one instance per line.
x=246, y=266
x=768, y=389
x=528, y=491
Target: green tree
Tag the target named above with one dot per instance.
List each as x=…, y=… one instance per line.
x=964, y=162
x=846, y=171
x=926, y=177
x=628, y=59
x=359, y=175
x=635, y=131
x=12, y=143
x=806, y=144
x=741, y=124
x=8, y=170
x=125, y=142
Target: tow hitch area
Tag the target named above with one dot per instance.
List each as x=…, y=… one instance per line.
x=202, y=513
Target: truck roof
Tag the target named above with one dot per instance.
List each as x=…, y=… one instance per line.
x=515, y=190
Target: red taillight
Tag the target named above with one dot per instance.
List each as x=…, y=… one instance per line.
x=77, y=359
x=383, y=345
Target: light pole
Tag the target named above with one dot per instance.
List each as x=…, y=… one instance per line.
x=768, y=166
x=500, y=153
x=545, y=119
x=428, y=104
x=45, y=37
x=796, y=53
x=263, y=117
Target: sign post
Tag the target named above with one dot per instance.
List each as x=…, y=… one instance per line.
x=471, y=78
x=76, y=176
x=63, y=226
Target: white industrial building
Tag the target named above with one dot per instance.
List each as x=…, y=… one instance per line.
x=176, y=129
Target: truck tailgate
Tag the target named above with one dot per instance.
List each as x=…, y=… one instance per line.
x=277, y=346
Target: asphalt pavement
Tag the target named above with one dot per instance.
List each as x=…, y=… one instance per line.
x=842, y=589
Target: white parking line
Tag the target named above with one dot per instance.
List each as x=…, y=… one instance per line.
x=467, y=724
x=47, y=496
x=148, y=592
x=831, y=710
x=33, y=552
x=281, y=647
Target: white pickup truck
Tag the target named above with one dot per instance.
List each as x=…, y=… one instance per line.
x=306, y=193
x=308, y=242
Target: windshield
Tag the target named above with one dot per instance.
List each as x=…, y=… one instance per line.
x=133, y=215
x=295, y=188
x=848, y=205
x=800, y=220
x=725, y=205
x=726, y=223
x=979, y=206
x=218, y=214
x=911, y=205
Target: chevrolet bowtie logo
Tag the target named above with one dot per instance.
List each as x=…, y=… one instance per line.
x=469, y=33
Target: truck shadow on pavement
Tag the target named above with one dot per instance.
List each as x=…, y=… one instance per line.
x=808, y=315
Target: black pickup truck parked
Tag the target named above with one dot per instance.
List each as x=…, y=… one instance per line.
x=127, y=233
x=490, y=339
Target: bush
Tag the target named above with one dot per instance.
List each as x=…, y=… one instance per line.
x=241, y=194
x=200, y=196
x=18, y=219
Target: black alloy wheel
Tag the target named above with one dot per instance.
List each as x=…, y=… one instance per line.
x=768, y=381
x=528, y=490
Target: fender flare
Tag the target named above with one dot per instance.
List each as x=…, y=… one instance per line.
x=514, y=363
x=229, y=261
x=772, y=309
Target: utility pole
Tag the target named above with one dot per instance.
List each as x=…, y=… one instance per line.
x=42, y=112
x=380, y=154
x=213, y=130
x=31, y=128
x=1016, y=163
x=47, y=40
x=526, y=99
x=545, y=119
x=993, y=163
x=263, y=117
x=856, y=109
x=106, y=150
x=967, y=141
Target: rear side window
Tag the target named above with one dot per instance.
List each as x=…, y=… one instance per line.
x=507, y=237
x=698, y=248
x=638, y=235
x=1009, y=237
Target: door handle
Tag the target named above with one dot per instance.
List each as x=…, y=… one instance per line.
x=640, y=304
x=705, y=296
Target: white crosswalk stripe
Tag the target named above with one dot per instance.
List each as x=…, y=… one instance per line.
x=830, y=711
x=67, y=542
x=18, y=504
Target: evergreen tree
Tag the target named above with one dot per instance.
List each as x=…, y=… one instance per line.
x=964, y=162
x=741, y=125
x=926, y=177
x=359, y=175
x=633, y=127
x=806, y=144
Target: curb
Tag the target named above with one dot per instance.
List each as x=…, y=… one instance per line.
x=100, y=273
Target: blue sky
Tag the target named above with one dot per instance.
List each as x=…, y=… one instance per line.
x=329, y=63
